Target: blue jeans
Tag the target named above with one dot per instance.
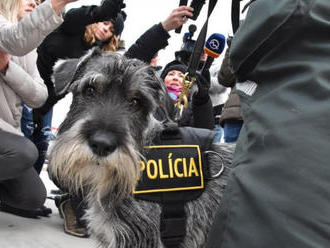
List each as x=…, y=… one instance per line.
x=232, y=129
x=41, y=140
x=219, y=133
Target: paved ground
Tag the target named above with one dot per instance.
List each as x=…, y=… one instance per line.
x=18, y=232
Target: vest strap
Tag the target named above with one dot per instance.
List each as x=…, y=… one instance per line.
x=173, y=224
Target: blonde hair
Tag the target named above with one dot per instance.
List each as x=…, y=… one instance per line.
x=89, y=37
x=9, y=9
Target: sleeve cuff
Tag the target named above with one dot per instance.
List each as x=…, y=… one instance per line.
x=49, y=17
x=162, y=31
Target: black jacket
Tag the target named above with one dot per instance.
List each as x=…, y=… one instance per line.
x=149, y=43
x=65, y=42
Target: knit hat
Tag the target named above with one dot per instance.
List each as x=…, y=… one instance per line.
x=174, y=65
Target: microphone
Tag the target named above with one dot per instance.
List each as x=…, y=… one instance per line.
x=214, y=46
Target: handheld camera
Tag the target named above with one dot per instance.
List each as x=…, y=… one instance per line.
x=187, y=46
x=197, y=5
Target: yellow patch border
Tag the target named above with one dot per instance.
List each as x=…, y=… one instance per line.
x=176, y=189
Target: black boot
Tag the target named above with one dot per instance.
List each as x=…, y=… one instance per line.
x=43, y=211
x=33, y=214
x=20, y=212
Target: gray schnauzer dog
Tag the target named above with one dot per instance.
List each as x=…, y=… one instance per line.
x=98, y=151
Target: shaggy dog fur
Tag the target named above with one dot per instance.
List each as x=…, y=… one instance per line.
x=99, y=144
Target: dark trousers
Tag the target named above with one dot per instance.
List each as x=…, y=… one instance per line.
x=231, y=130
x=40, y=139
x=20, y=184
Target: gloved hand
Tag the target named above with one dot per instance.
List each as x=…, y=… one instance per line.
x=203, y=84
x=119, y=22
x=108, y=9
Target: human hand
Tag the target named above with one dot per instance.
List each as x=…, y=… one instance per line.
x=114, y=4
x=177, y=18
x=4, y=61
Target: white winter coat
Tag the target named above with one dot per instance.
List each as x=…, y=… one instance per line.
x=22, y=82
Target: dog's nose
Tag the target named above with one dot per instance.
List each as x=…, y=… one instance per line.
x=102, y=143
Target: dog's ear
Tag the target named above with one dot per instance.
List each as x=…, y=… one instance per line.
x=64, y=71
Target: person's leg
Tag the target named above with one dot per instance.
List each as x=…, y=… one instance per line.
x=219, y=133
x=21, y=189
x=26, y=191
x=17, y=154
x=27, y=125
x=232, y=129
x=41, y=140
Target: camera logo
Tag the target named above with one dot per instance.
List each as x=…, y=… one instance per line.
x=214, y=44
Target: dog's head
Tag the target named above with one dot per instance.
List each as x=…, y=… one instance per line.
x=110, y=119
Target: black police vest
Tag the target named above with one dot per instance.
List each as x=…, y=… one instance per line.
x=174, y=172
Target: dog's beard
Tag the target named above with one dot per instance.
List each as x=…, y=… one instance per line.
x=73, y=165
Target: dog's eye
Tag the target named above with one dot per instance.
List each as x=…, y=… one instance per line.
x=135, y=103
x=90, y=91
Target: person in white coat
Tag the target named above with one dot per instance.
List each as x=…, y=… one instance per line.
x=23, y=26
